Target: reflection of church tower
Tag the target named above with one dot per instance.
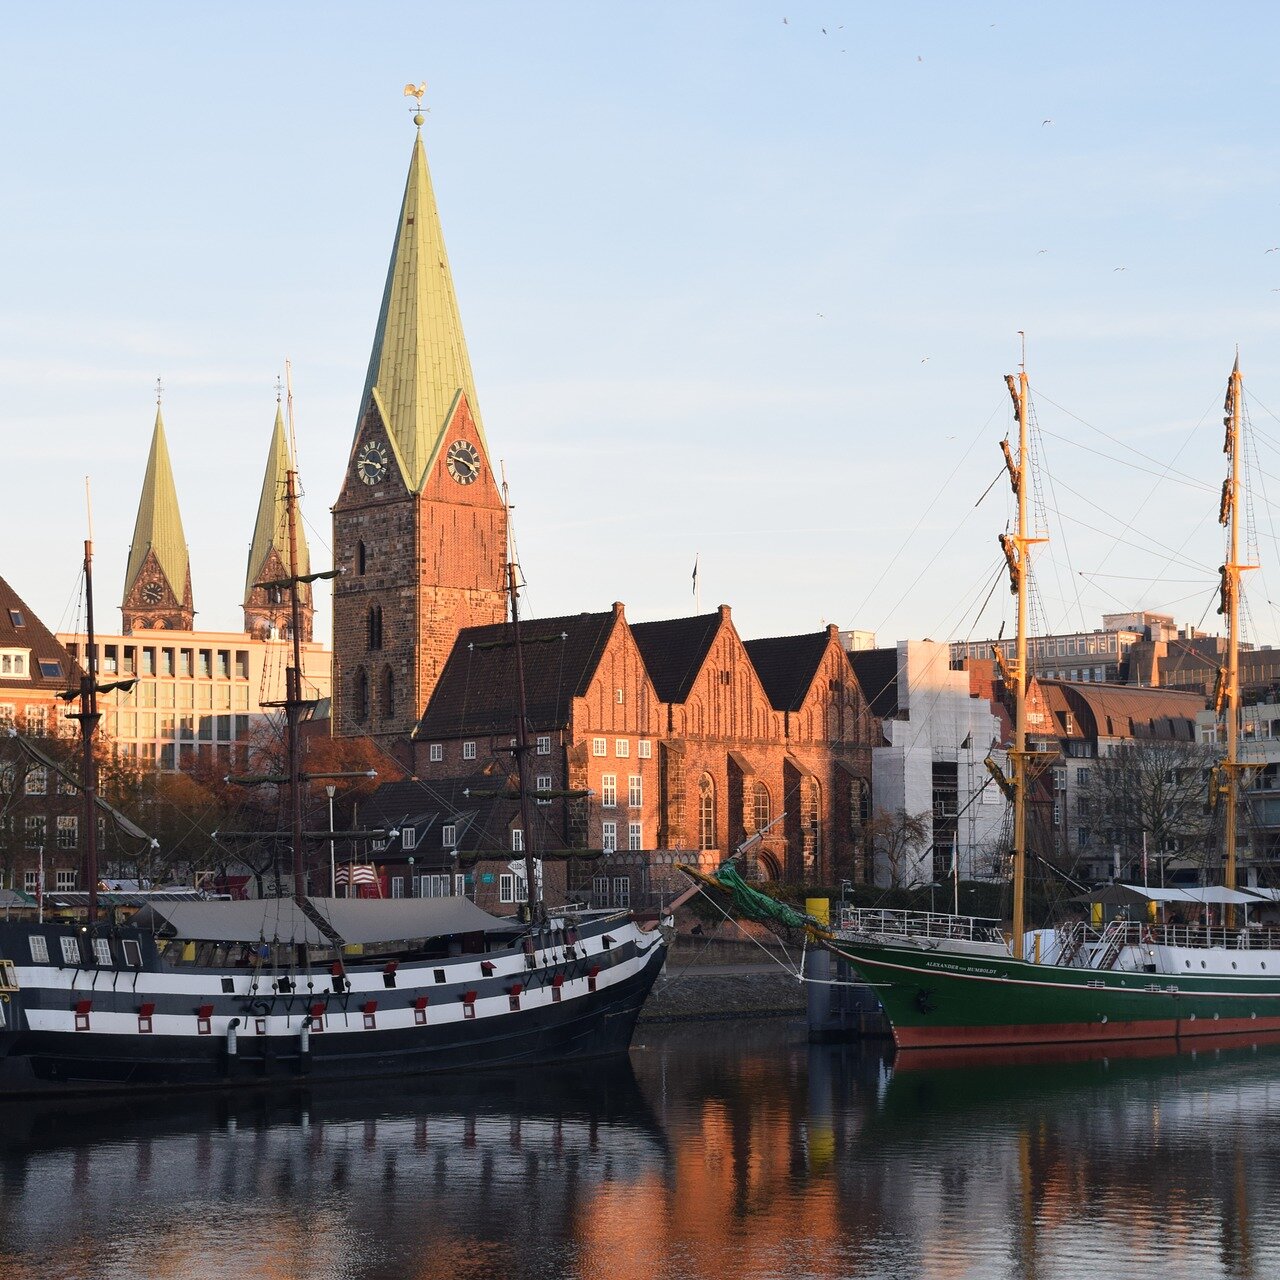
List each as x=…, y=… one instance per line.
x=157, y=583
x=419, y=526
x=267, y=609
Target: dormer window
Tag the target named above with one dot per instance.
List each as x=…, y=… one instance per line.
x=15, y=617
x=14, y=662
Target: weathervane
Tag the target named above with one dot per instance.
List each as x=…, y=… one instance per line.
x=416, y=91
x=159, y=392
x=279, y=388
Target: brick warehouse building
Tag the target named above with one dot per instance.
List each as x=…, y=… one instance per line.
x=652, y=743
x=650, y=738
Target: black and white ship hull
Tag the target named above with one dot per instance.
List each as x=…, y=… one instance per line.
x=90, y=1018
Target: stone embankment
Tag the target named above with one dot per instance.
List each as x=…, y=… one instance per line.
x=710, y=978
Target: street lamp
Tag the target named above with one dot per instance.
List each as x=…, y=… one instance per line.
x=330, y=791
x=411, y=875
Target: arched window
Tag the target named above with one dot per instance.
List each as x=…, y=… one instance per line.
x=375, y=626
x=360, y=558
x=762, y=806
x=361, y=707
x=706, y=812
x=388, y=693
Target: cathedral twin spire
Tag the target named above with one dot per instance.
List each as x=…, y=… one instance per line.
x=157, y=588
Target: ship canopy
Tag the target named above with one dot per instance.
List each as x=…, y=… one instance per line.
x=355, y=920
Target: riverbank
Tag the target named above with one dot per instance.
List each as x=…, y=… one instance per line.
x=709, y=978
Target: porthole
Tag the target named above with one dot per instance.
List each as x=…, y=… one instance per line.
x=1203, y=964
x=1216, y=1016
x=1264, y=964
x=1233, y=964
x=1103, y=1018
x=1187, y=963
x=1253, y=1017
x=1192, y=1018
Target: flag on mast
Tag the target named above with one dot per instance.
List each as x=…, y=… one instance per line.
x=695, y=572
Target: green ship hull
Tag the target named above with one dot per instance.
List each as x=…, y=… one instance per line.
x=944, y=998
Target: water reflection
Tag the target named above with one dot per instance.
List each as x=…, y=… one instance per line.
x=730, y=1150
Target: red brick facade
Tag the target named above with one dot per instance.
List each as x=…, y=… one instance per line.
x=416, y=567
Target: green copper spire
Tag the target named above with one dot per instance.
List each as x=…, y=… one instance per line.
x=271, y=530
x=159, y=525
x=419, y=362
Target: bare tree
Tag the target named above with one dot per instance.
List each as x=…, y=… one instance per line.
x=1154, y=790
x=898, y=839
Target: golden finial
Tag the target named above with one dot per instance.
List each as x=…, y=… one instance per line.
x=416, y=91
x=159, y=392
x=279, y=388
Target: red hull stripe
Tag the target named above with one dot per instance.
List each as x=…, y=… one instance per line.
x=1078, y=1032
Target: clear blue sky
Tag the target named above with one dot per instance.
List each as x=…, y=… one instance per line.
x=732, y=287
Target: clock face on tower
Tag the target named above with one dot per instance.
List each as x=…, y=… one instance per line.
x=152, y=593
x=371, y=462
x=463, y=461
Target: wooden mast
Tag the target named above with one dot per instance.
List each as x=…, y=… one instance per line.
x=1231, y=571
x=1016, y=551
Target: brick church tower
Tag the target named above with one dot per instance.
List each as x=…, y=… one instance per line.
x=268, y=610
x=157, y=582
x=419, y=529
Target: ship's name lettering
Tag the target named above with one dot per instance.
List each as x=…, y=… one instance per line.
x=955, y=968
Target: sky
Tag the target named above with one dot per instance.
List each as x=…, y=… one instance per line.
x=740, y=283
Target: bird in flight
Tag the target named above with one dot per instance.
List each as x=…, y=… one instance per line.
x=1119, y=268
x=1042, y=250
x=785, y=23
x=1275, y=250
x=1045, y=122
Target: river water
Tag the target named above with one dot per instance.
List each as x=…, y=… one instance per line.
x=720, y=1150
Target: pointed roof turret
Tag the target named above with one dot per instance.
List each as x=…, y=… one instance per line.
x=157, y=534
x=267, y=612
x=419, y=363
x=271, y=530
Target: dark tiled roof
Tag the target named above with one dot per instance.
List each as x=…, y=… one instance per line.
x=477, y=689
x=674, y=651
x=34, y=635
x=786, y=666
x=1119, y=710
x=877, y=672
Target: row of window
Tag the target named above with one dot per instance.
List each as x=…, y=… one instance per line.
x=609, y=790
x=622, y=748
x=150, y=660
x=36, y=719
x=386, y=694
x=64, y=882
x=130, y=951
x=542, y=747
x=609, y=836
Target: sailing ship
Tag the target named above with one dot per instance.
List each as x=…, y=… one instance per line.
x=943, y=982
x=222, y=993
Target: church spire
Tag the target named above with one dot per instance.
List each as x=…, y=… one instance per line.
x=419, y=365
x=267, y=610
x=157, y=583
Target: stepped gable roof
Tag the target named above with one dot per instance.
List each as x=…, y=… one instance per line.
x=419, y=364
x=476, y=692
x=158, y=527
x=1123, y=711
x=271, y=529
x=787, y=665
x=21, y=629
x=877, y=672
x=674, y=651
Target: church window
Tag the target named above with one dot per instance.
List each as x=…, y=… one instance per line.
x=762, y=806
x=609, y=837
x=375, y=626
x=388, y=693
x=360, y=558
x=362, y=695
x=706, y=812
x=608, y=790
x=635, y=792
x=635, y=837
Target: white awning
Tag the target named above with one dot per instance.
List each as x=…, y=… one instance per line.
x=1202, y=895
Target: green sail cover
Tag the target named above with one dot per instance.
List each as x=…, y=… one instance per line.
x=760, y=906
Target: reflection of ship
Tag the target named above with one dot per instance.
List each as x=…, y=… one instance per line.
x=447, y=1161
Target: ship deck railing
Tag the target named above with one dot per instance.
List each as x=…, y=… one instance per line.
x=939, y=925
x=1081, y=945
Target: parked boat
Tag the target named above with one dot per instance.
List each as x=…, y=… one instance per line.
x=953, y=981
x=944, y=981
x=233, y=993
